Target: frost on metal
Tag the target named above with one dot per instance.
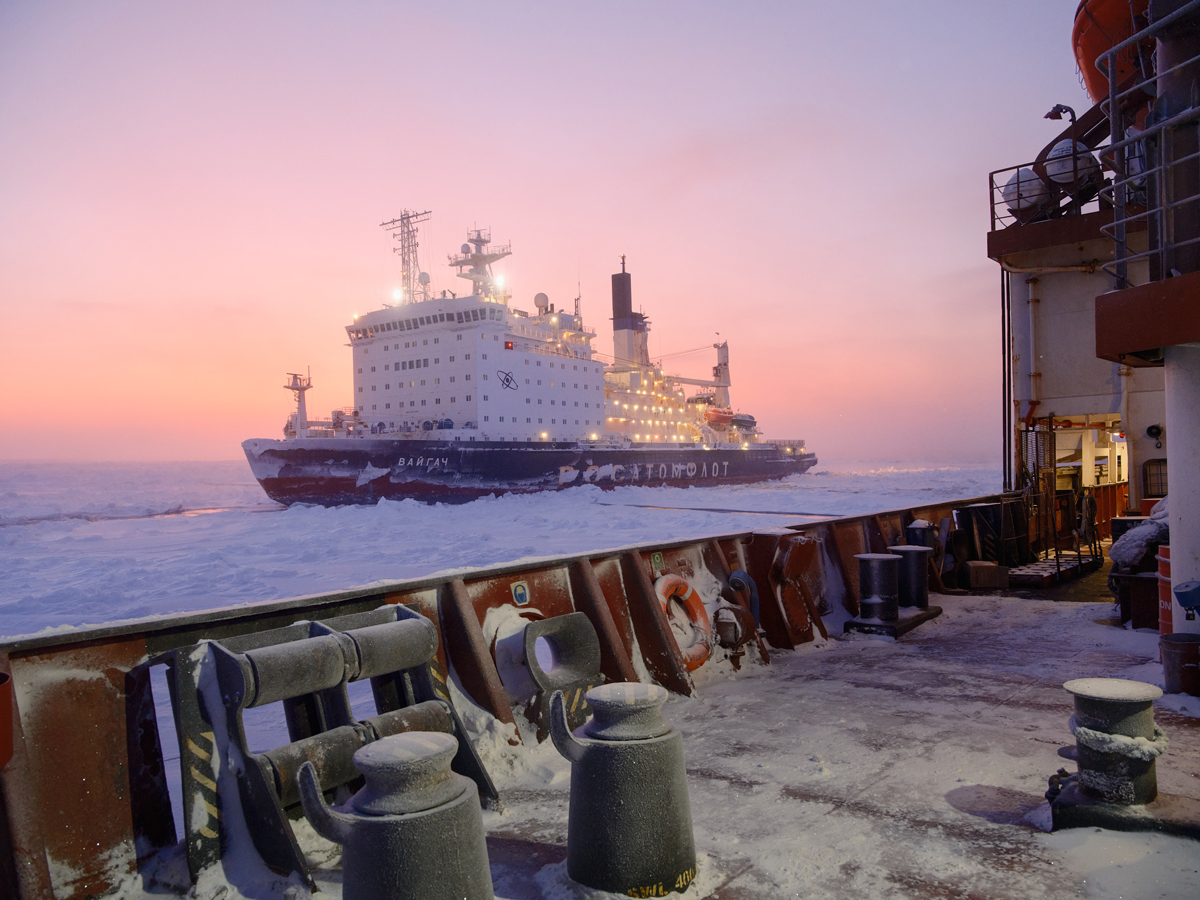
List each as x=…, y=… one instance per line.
x=1140, y=748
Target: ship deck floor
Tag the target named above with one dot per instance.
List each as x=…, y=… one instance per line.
x=869, y=768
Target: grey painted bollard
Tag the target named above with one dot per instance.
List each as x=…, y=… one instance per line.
x=629, y=828
x=913, y=578
x=878, y=586
x=414, y=831
x=1116, y=739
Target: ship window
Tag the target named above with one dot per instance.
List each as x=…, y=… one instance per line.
x=453, y=399
x=502, y=418
x=452, y=359
x=466, y=356
x=474, y=315
x=539, y=421
x=372, y=368
x=422, y=382
x=527, y=400
x=495, y=337
x=485, y=376
x=468, y=398
x=437, y=381
x=539, y=402
x=408, y=324
x=441, y=317
x=422, y=402
x=360, y=390
x=452, y=379
x=485, y=357
x=485, y=418
x=577, y=369
x=458, y=337
x=539, y=362
x=437, y=401
x=527, y=381
x=576, y=421
x=425, y=343
x=585, y=405
x=387, y=387
x=527, y=363
x=539, y=381
x=551, y=402
x=372, y=406
x=554, y=421
x=425, y=363
x=436, y=360
x=372, y=387
x=387, y=406
x=459, y=315
x=576, y=402
x=576, y=387
x=360, y=371
x=527, y=422
x=412, y=402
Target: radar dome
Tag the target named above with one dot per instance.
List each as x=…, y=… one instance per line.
x=541, y=301
x=465, y=248
x=1061, y=168
x=423, y=278
x=1024, y=191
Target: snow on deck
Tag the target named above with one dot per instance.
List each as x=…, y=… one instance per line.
x=872, y=768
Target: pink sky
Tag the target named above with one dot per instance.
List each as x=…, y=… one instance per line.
x=190, y=199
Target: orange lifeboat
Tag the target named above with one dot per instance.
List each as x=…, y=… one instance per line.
x=1099, y=26
x=718, y=416
x=687, y=617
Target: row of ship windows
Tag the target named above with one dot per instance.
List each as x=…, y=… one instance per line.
x=437, y=401
x=415, y=363
x=411, y=384
x=513, y=419
x=467, y=315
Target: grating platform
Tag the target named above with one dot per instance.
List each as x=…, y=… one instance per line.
x=1046, y=572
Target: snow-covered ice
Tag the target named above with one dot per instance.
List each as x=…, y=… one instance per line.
x=83, y=544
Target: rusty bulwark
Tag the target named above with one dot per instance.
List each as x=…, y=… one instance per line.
x=93, y=768
x=469, y=651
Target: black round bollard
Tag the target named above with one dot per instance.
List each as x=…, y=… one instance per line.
x=920, y=534
x=914, y=574
x=629, y=826
x=1116, y=738
x=414, y=831
x=878, y=586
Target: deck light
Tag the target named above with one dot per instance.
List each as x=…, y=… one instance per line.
x=397, y=294
x=1056, y=112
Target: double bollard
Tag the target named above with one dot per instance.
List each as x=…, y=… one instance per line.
x=414, y=831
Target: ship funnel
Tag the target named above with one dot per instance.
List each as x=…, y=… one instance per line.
x=622, y=296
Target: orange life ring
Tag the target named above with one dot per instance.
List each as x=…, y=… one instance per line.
x=673, y=588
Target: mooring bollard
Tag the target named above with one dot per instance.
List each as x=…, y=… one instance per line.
x=1116, y=738
x=414, y=831
x=913, y=577
x=878, y=586
x=629, y=828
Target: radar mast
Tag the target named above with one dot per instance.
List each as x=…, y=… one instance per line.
x=474, y=253
x=404, y=229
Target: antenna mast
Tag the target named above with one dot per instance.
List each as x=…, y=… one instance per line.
x=404, y=229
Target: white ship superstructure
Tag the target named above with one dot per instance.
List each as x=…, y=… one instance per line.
x=475, y=368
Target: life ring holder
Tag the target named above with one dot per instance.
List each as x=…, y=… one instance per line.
x=674, y=588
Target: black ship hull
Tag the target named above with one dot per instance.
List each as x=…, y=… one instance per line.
x=339, y=471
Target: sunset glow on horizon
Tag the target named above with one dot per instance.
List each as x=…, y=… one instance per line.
x=192, y=199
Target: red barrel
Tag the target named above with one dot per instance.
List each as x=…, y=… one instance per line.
x=1166, y=624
